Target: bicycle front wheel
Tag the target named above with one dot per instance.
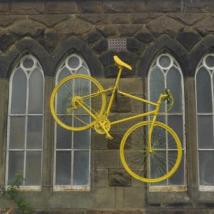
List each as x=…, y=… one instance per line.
x=151, y=166
x=68, y=113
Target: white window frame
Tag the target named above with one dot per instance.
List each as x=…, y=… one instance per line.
x=70, y=187
x=202, y=63
x=164, y=71
x=26, y=115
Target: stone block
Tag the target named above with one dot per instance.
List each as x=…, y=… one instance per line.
x=122, y=104
x=100, y=178
x=188, y=39
x=134, y=45
x=98, y=141
x=118, y=177
x=101, y=46
x=25, y=7
x=104, y=198
x=4, y=6
x=106, y=159
x=144, y=36
x=93, y=37
x=61, y=6
x=134, y=197
x=115, y=142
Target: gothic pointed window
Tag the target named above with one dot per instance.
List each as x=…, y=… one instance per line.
x=164, y=73
x=204, y=81
x=25, y=123
x=72, y=149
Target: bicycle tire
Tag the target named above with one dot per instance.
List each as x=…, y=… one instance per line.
x=68, y=82
x=146, y=175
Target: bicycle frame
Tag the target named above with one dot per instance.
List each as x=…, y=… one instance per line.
x=114, y=90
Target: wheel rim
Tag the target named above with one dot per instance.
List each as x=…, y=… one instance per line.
x=140, y=175
x=84, y=120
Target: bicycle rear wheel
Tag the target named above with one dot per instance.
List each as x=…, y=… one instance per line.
x=68, y=113
x=158, y=165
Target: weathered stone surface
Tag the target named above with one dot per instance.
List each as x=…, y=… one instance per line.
x=25, y=7
x=119, y=178
x=6, y=39
x=121, y=105
x=107, y=58
x=95, y=18
x=134, y=197
x=50, y=39
x=108, y=30
x=115, y=142
x=118, y=19
x=106, y=159
x=100, y=177
x=144, y=36
x=90, y=6
x=205, y=26
x=73, y=26
x=134, y=45
x=27, y=27
x=49, y=20
x=143, y=18
x=164, y=24
x=187, y=18
x=128, y=30
x=188, y=39
x=101, y=46
x=9, y=20
x=61, y=7
x=93, y=37
x=4, y=6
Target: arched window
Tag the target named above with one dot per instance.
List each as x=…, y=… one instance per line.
x=164, y=73
x=204, y=81
x=25, y=122
x=72, y=149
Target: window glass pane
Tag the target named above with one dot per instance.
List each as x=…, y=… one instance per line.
x=63, y=168
x=33, y=168
x=174, y=84
x=82, y=87
x=204, y=97
x=157, y=85
x=17, y=132
x=64, y=138
x=16, y=164
x=83, y=70
x=158, y=165
x=63, y=98
x=63, y=73
x=176, y=123
x=36, y=92
x=206, y=160
x=205, y=132
x=178, y=177
x=19, y=89
x=81, y=139
x=34, y=132
x=81, y=167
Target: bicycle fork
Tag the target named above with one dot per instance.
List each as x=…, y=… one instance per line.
x=156, y=112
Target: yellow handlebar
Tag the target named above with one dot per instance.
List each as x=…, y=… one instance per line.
x=120, y=63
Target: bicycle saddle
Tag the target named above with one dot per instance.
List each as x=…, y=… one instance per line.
x=120, y=63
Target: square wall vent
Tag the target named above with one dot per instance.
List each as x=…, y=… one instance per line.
x=117, y=44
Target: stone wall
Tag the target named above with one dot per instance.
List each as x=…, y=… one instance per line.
x=51, y=30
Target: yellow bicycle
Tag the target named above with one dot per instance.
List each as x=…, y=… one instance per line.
x=79, y=102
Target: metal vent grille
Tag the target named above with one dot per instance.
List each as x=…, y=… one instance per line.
x=117, y=44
